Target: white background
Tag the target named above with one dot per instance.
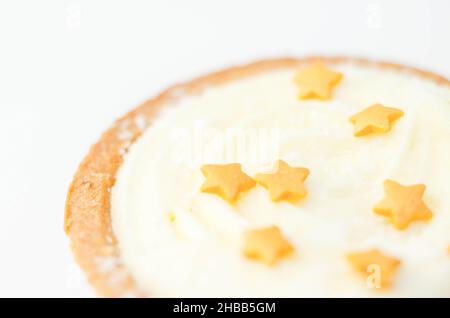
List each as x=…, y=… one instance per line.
x=69, y=68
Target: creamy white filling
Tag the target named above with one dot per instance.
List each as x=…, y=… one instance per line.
x=177, y=241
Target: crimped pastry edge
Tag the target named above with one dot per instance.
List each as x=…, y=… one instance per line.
x=87, y=212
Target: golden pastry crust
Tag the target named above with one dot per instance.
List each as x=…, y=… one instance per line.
x=87, y=214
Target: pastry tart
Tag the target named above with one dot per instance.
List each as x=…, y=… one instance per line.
x=314, y=177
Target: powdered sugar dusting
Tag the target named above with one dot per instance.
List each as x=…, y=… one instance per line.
x=141, y=122
x=107, y=264
x=178, y=92
x=124, y=133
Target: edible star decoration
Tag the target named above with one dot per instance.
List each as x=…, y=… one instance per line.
x=267, y=245
x=374, y=119
x=316, y=81
x=403, y=204
x=286, y=184
x=387, y=265
x=226, y=180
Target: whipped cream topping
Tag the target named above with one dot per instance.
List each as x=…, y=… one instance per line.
x=178, y=241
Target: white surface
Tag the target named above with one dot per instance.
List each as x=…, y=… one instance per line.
x=69, y=68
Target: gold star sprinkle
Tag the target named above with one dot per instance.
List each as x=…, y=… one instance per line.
x=267, y=245
x=316, y=81
x=385, y=266
x=226, y=181
x=286, y=184
x=374, y=119
x=403, y=204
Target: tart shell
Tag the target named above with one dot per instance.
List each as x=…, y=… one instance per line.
x=87, y=212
